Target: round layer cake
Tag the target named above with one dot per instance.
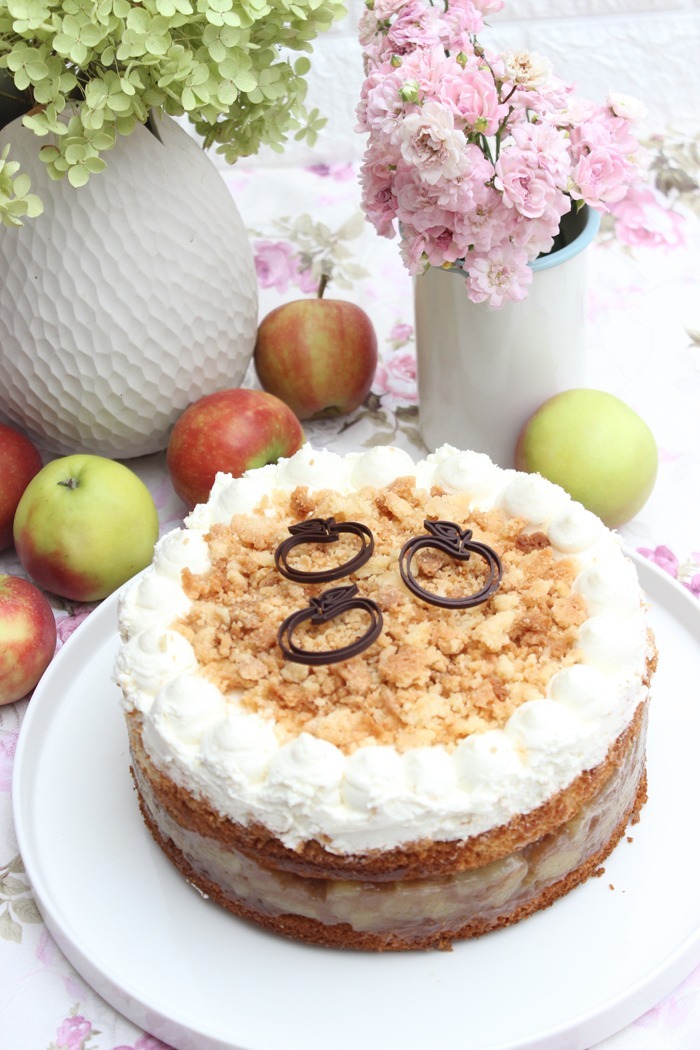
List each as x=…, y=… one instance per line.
x=474, y=761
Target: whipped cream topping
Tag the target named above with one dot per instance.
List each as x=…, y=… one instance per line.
x=375, y=797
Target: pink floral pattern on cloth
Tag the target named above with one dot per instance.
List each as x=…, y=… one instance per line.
x=688, y=574
x=75, y=1032
x=644, y=345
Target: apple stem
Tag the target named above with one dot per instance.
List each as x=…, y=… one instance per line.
x=322, y=285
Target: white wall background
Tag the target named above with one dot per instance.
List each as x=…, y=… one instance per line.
x=646, y=48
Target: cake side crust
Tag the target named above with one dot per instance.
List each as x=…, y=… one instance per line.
x=344, y=936
x=417, y=860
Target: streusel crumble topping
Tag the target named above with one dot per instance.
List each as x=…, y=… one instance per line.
x=434, y=675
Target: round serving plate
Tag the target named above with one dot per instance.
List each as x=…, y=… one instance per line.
x=200, y=979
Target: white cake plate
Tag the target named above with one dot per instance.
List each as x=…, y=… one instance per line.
x=200, y=979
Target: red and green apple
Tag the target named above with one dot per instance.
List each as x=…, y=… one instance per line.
x=230, y=431
x=27, y=637
x=84, y=526
x=317, y=355
x=19, y=462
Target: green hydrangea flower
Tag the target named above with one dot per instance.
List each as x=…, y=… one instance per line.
x=94, y=69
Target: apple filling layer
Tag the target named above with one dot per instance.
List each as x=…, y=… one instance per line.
x=409, y=913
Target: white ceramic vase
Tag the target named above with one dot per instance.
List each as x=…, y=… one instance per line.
x=125, y=301
x=483, y=371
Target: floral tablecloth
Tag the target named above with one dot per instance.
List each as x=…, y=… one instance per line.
x=644, y=346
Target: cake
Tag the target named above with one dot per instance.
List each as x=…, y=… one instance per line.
x=461, y=740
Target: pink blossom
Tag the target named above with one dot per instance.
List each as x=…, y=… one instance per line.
x=275, y=264
x=440, y=246
x=545, y=148
x=604, y=130
x=526, y=68
x=537, y=235
x=459, y=23
x=416, y=26
x=380, y=108
x=367, y=29
x=474, y=98
x=642, y=221
x=430, y=142
x=499, y=277
x=412, y=252
x=379, y=195
x=417, y=202
x=386, y=8
x=524, y=188
x=396, y=375
x=600, y=178
x=73, y=1032
x=486, y=224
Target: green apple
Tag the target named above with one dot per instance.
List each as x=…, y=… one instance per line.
x=27, y=637
x=85, y=525
x=596, y=447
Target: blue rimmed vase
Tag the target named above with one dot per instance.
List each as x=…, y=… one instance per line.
x=483, y=371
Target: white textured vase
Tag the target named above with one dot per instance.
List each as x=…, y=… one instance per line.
x=125, y=301
x=483, y=371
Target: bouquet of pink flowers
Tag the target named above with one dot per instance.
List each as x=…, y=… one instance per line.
x=476, y=156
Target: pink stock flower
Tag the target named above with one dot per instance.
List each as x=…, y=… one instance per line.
x=386, y=8
x=473, y=97
x=475, y=156
x=500, y=277
x=524, y=188
x=396, y=375
x=599, y=178
x=73, y=1032
x=416, y=26
x=431, y=143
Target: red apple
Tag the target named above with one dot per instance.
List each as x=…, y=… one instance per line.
x=318, y=355
x=27, y=637
x=230, y=431
x=19, y=462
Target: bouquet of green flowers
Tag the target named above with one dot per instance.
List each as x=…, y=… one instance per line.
x=85, y=71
